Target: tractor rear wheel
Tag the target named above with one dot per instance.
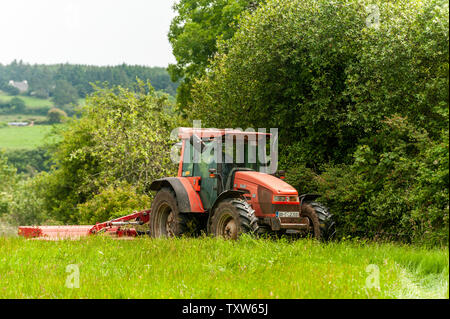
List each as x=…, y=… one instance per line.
x=321, y=220
x=233, y=217
x=165, y=218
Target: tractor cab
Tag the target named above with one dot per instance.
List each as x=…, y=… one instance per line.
x=214, y=156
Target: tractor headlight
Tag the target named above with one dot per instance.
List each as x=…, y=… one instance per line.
x=285, y=199
x=280, y=198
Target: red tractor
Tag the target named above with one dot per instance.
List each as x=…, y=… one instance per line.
x=228, y=197
x=224, y=193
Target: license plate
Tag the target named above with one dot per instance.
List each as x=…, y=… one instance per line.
x=288, y=214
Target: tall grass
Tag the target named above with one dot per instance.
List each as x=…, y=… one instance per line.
x=214, y=268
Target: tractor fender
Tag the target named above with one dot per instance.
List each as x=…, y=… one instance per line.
x=222, y=196
x=188, y=199
x=307, y=198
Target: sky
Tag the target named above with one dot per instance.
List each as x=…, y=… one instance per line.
x=96, y=32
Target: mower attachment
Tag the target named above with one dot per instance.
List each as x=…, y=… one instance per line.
x=114, y=227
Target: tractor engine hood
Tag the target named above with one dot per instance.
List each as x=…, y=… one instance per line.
x=276, y=185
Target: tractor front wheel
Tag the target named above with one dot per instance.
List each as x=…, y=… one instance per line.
x=322, y=225
x=233, y=217
x=165, y=218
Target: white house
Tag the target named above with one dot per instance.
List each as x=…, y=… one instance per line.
x=21, y=86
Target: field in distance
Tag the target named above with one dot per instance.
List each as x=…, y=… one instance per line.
x=27, y=137
x=214, y=268
x=30, y=102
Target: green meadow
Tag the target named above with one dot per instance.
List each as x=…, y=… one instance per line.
x=30, y=102
x=214, y=268
x=27, y=137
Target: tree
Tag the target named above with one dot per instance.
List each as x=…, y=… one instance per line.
x=319, y=72
x=17, y=104
x=362, y=109
x=193, y=35
x=123, y=137
x=64, y=93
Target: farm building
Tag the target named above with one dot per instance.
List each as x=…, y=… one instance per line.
x=21, y=86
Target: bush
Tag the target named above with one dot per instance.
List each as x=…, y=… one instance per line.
x=56, y=115
x=7, y=183
x=27, y=206
x=112, y=202
x=397, y=186
x=29, y=161
x=11, y=90
x=17, y=104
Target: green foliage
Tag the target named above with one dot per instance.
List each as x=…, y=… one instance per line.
x=362, y=108
x=17, y=104
x=297, y=66
x=42, y=78
x=396, y=187
x=64, y=93
x=7, y=183
x=29, y=161
x=56, y=115
x=193, y=35
x=26, y=208
x=122, y=136
x=12, y=90
x=112, y=202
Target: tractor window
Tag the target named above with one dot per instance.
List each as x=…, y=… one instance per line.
x=188, y=163
x=241, y=154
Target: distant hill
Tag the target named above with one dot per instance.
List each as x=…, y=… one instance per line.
x=43, y=79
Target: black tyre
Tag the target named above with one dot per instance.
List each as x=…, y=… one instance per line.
x=321, y=220
x=233, y=217
x=165, y=218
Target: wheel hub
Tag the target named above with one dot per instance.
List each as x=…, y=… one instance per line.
x=230, y=229
x=170, y=225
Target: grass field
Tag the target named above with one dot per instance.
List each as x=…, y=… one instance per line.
x=30, y=102
x=5, y=118
x=213, y=268
x=27, y=137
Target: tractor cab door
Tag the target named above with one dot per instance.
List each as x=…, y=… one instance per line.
x=197, y=161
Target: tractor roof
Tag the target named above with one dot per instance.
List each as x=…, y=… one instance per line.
x=187, y=132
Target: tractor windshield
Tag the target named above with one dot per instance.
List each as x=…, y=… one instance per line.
x=242, y=153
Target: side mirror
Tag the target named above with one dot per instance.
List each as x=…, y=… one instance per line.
x=212, y=173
